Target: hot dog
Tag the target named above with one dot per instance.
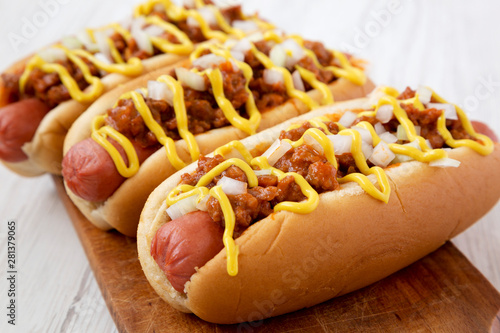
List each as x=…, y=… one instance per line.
x=319, y=206
x=67, y=77
x=226, y=92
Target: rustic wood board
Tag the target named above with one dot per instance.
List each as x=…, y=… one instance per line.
x=442, y=292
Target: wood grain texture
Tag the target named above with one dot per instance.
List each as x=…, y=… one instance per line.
x=441, y=292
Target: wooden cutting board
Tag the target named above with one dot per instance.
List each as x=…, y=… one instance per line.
x=442, y=292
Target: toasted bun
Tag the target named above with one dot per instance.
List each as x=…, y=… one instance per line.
x=352, y=239
x=122, y=210
x=45, y=150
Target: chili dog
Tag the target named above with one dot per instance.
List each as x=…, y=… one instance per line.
x=345, y=195
x=54, y=86
x=227, y=92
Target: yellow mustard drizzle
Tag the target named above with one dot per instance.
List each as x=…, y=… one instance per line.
x=163, y=139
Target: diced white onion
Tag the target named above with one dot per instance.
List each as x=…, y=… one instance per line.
x=402, y=135
x=388, y=137
x=310, y=141
x=102, y=43
x=101, y=57
x=297, y=81
x=202, y=205
x=52, y=55
x=278, y=55
x=208, y=15
x=141, y=38
x=382, y=155
x=367, y=149
x=296, y=51
x=379, y=128
x=255, y=37
x=428, y=143
x=341, y=143
x=276, y=151
x=208, y=60
x=182, y=207
x=424, y=94
x=242, y=45
x=154, y=30
x=142, y=91
x=190, y=79
x=189, y=3
x=400, y=158
x=246, y=26
x=449, y=109
x=237, y=55
x=365, y=134
x=232, y=186
x=263, y=172
x=160, y=91
x=272, y=76
x=445, y=162
x=384, y=113
x=85, y=39
x=143, y=41
x=71, y=42
x=347, y=119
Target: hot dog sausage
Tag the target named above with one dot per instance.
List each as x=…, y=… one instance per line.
x=90, y=172
x=482, y=128
x=185, y=243
x=18, y=124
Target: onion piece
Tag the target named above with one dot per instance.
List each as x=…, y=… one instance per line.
x=366, y=136
x=102, y=42
x=154, y=30
x=277, y=150
x=255, y=37
x=190, y=79
x=243, y=45
x=384, y=113
x=382, y=155
x=202, y=205
x=379, y=128
x=232, y=186
x=424, y=95
x=208, y=60
x=402, y=135
x=72, y=43
x=141, y=38
x=263, y=172
x=160, y=91
x=272, y=76
x=85, y=39
x=367, y=149
x=341, y=143
x=449, y=109
x=296, y=51
x=297, y=81
x=182, y=207
x=445, y=162
x=310, y=141
x=278, y=55
x=238, y=55
x=347, y=119
x=246, y=26
x=52, y=55
x=388, y=137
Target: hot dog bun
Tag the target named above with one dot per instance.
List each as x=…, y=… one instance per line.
x=45, y=149
x=121, y=211
x=352, y=239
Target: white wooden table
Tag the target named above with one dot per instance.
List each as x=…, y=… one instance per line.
x=452, y=46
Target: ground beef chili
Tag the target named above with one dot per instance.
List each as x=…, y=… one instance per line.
x=259, y=201
x=426, y=119
x=203, y=113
